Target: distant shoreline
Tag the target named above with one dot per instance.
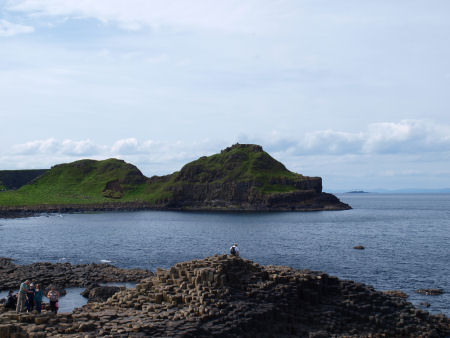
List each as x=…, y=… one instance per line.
x=394, y=192
x=31, y=211
x=357, y=192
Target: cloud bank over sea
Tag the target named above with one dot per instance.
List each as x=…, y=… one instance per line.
x=402, y=150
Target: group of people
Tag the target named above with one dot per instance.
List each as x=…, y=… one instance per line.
x=29, y=297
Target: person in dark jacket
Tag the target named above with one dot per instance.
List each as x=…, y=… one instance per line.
x=11, y=301
x=38, y=293
x=30, y=298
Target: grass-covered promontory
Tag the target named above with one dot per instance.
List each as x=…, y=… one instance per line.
x=84, y=181
x=241, y=177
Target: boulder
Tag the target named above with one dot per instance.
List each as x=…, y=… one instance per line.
x=396, y=293
x=98, y=293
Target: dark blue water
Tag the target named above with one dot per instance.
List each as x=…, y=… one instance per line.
x=406, y=236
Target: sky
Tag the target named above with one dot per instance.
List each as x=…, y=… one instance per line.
x=354, y=91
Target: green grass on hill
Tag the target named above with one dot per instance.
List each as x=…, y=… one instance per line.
x=236, y=164
x=112, y=180
x=79, y=182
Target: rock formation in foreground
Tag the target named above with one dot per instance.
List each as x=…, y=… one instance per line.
x=224, y=296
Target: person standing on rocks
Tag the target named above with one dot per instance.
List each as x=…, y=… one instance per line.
x=38, y=293
x=24, y=290
x=234, y=250
x=30, y=298
x=53, y=295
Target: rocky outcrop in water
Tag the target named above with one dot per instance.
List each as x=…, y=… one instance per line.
x=99, y=293
x=65, y=275
x=224, y=296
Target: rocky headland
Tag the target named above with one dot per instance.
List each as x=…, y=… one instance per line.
x=242, y=177
x=225, y=296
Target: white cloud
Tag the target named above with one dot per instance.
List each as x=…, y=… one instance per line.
x=36, y=147
x=171, y=155
x=126, y=146
x=395, y=154
x=132, y=15
x=404, y=137
x=54, y=147
x=80, y=148
x=9, y=29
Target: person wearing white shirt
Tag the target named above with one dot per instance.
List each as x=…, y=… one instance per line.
x=234, y=250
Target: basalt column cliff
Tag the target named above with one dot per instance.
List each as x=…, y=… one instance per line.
x=244, y=177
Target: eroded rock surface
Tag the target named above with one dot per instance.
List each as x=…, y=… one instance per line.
x=224, y=296
x=65, y=275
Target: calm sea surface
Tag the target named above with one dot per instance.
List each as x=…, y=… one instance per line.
x=406, y=236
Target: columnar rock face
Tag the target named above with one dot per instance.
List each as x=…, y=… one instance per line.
x=244, y=177
x=224, y=296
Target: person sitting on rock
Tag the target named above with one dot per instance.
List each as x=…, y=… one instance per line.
x=234, y=250
x=53, y=295
x=11, y=301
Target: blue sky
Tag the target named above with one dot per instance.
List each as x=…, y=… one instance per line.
x=353, y=91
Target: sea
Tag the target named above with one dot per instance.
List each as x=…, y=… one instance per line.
x=406, y=239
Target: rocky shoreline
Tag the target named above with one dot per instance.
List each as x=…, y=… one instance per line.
x=35, y=210
x=225, y=296
x=64, y=275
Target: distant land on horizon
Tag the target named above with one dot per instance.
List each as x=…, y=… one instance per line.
x=357, y=192
x=393, y=191
x=242, y=177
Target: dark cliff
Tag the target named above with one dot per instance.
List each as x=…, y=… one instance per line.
x=14, y=179
x=244, y=177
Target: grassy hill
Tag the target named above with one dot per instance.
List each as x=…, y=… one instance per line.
x=242, y=176
x=237, y=164
x=84, y=181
